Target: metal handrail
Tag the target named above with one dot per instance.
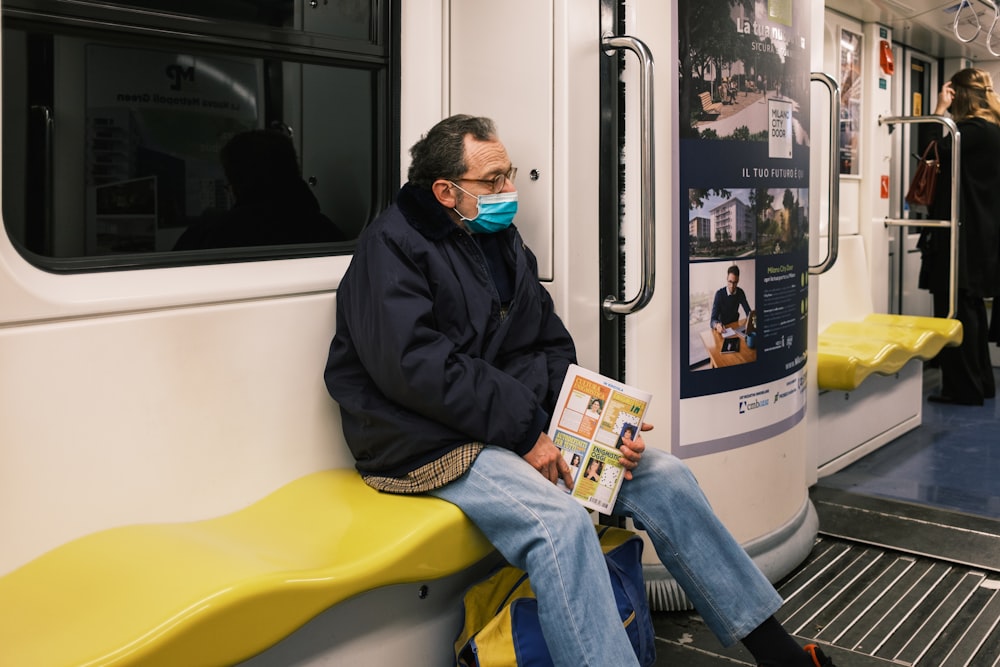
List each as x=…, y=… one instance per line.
x=612, y=305
x=833, y=210
x=956, y=179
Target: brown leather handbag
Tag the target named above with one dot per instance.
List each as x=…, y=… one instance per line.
x=921, y=190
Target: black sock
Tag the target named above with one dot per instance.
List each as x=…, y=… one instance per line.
x=772, y=646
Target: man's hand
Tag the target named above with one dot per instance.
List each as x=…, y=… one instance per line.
x=546, y=458
x=632, y=450
x=718, y=327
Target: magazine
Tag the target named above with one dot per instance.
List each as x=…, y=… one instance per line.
x=592, y=414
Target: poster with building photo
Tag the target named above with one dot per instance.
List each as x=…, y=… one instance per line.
x=744, y=99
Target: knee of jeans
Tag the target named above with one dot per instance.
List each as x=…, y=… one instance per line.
x=577, y=519
x=664, y=462
x=557, y=526
x=671, y=470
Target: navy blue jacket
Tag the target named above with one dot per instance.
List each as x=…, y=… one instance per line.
x=425, y=357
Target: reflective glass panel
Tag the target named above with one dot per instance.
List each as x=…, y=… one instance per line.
x=115, y=148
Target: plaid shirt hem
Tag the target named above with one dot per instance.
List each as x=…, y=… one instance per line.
x=431, y=475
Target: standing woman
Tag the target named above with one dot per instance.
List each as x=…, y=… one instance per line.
x=966, y=374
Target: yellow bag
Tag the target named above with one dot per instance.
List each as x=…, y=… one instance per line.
x=501, y=614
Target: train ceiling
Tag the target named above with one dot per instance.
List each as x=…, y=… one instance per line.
x=930, y=26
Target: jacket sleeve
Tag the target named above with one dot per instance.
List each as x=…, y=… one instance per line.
x=716, y=316
x=389, y=308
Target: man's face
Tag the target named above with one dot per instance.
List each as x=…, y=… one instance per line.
x=487, y=166
x=732, y=281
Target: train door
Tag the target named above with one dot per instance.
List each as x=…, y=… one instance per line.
x=524, y=112
x=718, y=156
x=914, y=94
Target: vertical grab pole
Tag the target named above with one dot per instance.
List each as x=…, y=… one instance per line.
x=833, y=207
x=612, y=305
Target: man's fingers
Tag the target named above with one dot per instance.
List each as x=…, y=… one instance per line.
x=549, y=462
x=567, y=477
x=628, y=463
x=550, y=469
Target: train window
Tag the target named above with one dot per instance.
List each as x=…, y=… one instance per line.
x=351, y=19
x=135, y=136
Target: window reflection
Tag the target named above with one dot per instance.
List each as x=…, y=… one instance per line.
x=271, y=204
x=118, y=149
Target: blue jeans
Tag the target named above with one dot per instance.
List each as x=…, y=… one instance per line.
x=539, y=528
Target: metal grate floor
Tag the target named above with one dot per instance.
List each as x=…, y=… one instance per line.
x=867, y=606
x=905, y=609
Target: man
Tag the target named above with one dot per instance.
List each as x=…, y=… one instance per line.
x=728, y=301
x=447, y=363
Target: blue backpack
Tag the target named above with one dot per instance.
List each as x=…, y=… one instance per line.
x=501, y=613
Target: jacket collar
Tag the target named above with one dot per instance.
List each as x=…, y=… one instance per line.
x=424, y=213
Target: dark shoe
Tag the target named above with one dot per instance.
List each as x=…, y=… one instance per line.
x=819, y=658
x=933, y=398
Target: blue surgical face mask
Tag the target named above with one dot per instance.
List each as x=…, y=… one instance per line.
x=494, y=212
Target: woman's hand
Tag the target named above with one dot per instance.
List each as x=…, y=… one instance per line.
x=944, y=99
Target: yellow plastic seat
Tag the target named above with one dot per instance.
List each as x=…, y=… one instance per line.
x=848, y=352
x=949, y=329
x=218, y=591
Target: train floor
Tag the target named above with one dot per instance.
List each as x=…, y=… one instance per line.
x=906, y=569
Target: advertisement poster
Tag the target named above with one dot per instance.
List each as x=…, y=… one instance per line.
x=850, y=101
x=155, y=123
x=744, y=183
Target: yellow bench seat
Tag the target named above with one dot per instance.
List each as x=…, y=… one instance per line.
x=949, y=329
x=218, y=591
x=848, y=352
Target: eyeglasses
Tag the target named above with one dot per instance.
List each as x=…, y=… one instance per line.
x=497, y=182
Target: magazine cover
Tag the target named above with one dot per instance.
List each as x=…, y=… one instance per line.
x=592, y=415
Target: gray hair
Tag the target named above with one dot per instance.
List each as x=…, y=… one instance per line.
x=441, y=152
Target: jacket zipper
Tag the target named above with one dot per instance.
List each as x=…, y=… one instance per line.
x=480, y=258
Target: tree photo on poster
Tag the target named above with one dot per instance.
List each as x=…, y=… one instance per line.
x=737, y=59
